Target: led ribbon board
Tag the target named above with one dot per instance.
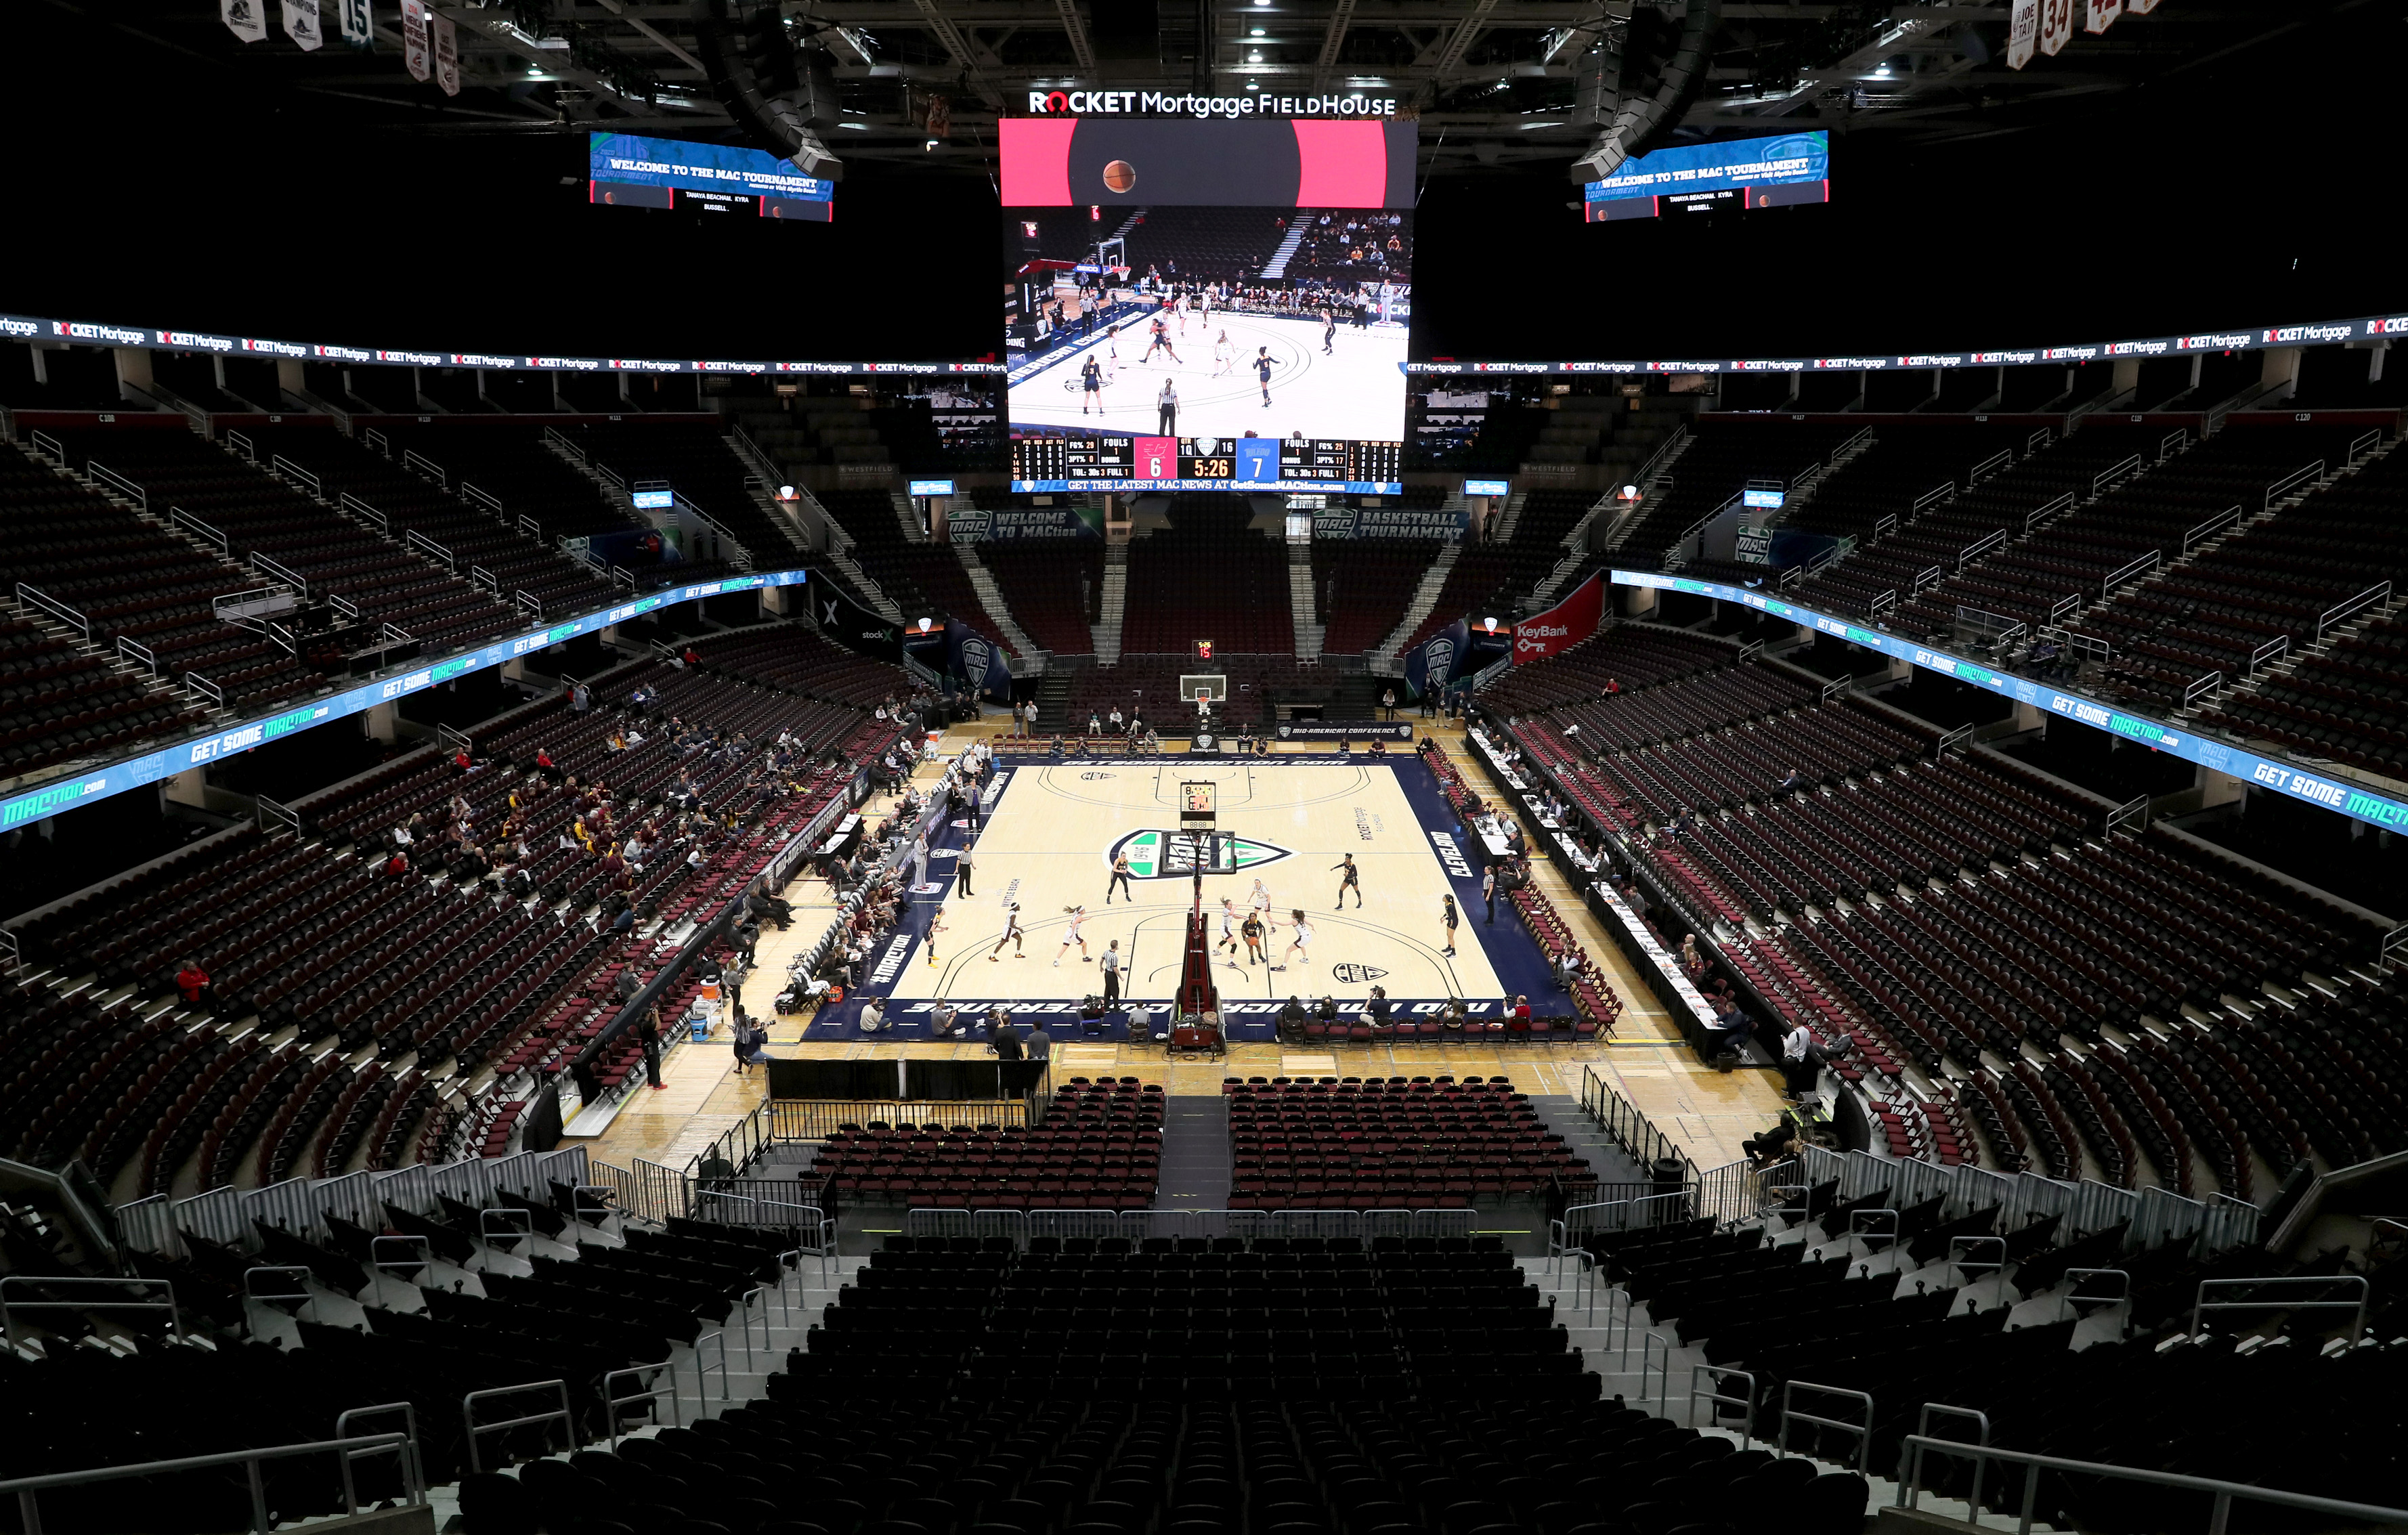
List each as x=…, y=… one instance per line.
x=2266, y=772
x=84, y=788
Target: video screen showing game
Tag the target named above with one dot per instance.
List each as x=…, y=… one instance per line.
x=1157, y=345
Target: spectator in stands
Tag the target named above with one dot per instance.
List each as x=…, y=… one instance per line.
x=1693, y=965
x=693, y=657
x=1120, y=725
x=580, y=698
x=1735, y=1028
x=1772, y=1144
x=193, y=980
x=398, y=864
x=644, y=696
x=1325, y=1011
x=1517, y=1014
x=1388, y=703
x=1790, y=781
x=1376, y=1010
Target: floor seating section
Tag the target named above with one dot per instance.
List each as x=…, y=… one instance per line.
x=1627, y=656
x=1397, y=1144
x=1098, y=1148
x=1055, y=588
x=308, y=944
x=1207, y=576
x=2098, y=1005
x=259, y=513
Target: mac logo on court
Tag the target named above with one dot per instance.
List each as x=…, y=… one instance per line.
x=1348, y=975
x=1084, y=777
x=1178, y=855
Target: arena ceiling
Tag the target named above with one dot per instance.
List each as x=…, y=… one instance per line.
x=1496, y=84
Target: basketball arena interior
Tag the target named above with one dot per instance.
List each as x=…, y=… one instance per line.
x=681, y=681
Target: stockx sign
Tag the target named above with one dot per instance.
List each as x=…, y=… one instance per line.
x=1178, y=855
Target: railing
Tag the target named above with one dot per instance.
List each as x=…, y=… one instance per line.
x=2210, y=528
x=2292, y=481
x=2201, y=1305
x=365, y=512
x=2271, y=651
x=1980, y=547
x=484, y=498
x=551, y=435
x=1630, y=1129
x=611, y=1401
x=240, y=442
x=2127, y=571
x=2221, y=1493
x=272, y=814
x=199, y=530
x=294, y=472
x=530, y=529
x=193, y=682
x=2064, y=608
x=35, y=598
x=1928, y=577
x=2172, y=443
x=2133, y=811
x=345, y=605
x=1723, y=1378
x=412, y=459
x=2338, y=613
x=484, y=579
x=1020, y=1225
x=527, y=603
x=1664, y=453
x=1883, y=602
x=282, y=572
x=1950, y=741
x=478, y=1431
x=45, y=443
x=1863, y=1432
x=413, y=1490
x=2202, y=687
x=1945, y=490
x=412, y=1467
x=105, y=1300
x=2040, y=514
x=117, y=482
x=138, y=652
x=2003, y=458
x=2107, y=475
x=432, y=550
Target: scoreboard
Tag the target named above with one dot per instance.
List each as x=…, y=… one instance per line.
x=1047, y=462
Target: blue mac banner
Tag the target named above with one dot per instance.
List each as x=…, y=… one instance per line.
x=976, y=660
x=1432, y=666
x=2266, y=772
x=1706, y=167
x=626, y=160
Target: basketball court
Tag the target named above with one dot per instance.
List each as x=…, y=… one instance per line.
x=1047, y=844
x=1350, y=392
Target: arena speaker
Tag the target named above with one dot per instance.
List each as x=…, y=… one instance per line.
x=779, y=95
x=1657, y=83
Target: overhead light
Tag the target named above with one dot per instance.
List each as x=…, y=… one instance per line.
x=857, y=128
x=1528, y=127
x=1259, y=32
x=1256, y=57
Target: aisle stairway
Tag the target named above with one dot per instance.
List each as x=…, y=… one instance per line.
x=1114, y=603
x=1308, y=633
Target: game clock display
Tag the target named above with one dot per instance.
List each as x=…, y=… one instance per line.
x=1106, y=461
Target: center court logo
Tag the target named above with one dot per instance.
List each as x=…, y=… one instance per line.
x=1350, y=975
x=1175, y=855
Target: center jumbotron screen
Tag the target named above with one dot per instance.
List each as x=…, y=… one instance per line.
x=1159, y=342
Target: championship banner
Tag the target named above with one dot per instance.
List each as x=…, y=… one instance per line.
x=1431, y=666
x=2023, y=33
x=976, y=660
x=2102, y=14
x=2055, y=25
x=1563, y=625
x=358, y=24
x=414, y=50
x=302, y=24
x=246, y=18
x=447, y=54
x=2140, y=7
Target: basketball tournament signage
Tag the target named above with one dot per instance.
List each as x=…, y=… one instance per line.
x=1431, y=667
x=1561, y=626
x=976, y=660
x=1345, y=730
x=1436, y=523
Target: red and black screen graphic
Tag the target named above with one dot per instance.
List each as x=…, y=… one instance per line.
x=1175, y=163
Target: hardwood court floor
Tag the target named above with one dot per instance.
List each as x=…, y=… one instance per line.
x=1646, y=1061
x=1049, y=846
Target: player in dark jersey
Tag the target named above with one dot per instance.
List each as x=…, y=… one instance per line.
x=1350, y=879
x=1262, y=371
x=1161, y=342
x=1092, y=379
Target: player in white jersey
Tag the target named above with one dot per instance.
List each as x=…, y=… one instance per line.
x=1078, y=915
x=1228, y=924
x=1260, y=901
x=1299, y=944
x=1012, y=934
x=1225, y=356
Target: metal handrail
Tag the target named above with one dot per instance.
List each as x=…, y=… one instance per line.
x=413, y=1467
x=1864, y=1431
x=1961, y=1264
x=2219, y=1516
x=1646, y=1354
x=476, y=1430
x=1856, y=1215
x=9, y=1308
x=2066, y=1302
x=1745, y=1404
x=702, y=1372
x=486, y=1233
x=25, y=1488
x=611, y=1404
x=2201, y=1304
x=1906, y=1479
